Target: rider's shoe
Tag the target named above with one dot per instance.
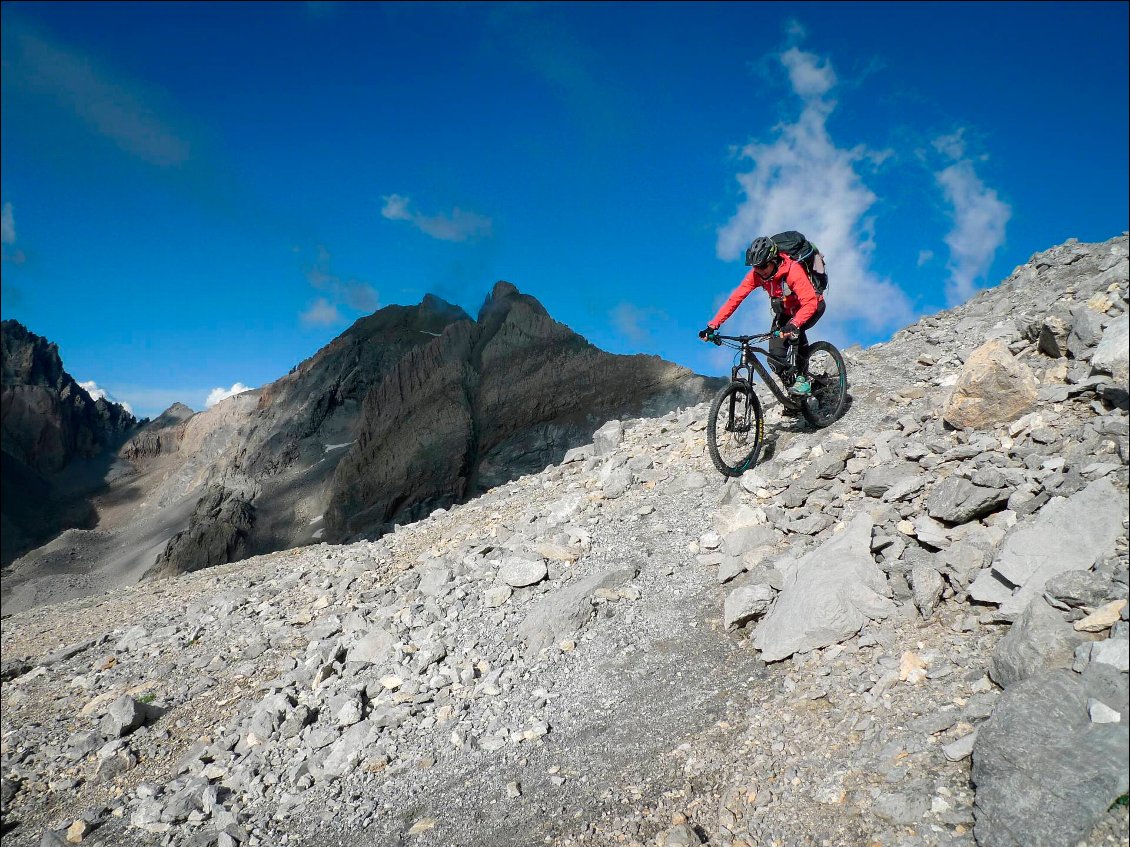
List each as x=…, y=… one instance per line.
x=802, y=387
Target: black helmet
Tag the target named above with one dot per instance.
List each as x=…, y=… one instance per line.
x=760, y=251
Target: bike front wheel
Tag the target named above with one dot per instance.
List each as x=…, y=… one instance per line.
x=828, y=375
x=734, y=429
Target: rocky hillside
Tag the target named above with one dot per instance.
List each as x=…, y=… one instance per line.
x=49, y=422
x=411, y=408
x=909, y=628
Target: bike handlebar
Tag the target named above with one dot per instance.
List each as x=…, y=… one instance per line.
x=741, y=339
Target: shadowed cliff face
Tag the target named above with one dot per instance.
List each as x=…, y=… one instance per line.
x=484, y=403
x=48, y=418
x=48, y=422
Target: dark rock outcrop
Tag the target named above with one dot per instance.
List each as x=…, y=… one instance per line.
x=485, y=402
x=48, y=418
x=1044, y=770
x=217, y=534
x=48, y=422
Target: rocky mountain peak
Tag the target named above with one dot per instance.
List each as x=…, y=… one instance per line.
x=176, y=412
x=29, y=359
x=505, y=298
x=435, y=304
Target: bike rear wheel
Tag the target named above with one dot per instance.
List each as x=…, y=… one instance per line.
x=828, y=374
x=734, y=429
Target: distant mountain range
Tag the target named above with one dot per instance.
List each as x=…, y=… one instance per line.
x=411, y=409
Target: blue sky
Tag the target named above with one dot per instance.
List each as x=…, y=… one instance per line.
x=199, y=196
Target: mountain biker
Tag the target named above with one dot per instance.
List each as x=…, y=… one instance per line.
x=796, y=305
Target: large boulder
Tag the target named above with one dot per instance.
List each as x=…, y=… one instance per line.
x=993, y=388
x=1044, y=771
x=1113, y=353
x=1040, y=640
x=827, y=595
x=218, y=532
x=957, y=500
x=1066, y=535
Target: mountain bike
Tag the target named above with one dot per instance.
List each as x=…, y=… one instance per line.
x=735, y=425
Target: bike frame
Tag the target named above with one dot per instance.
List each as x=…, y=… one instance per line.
x=749, y=363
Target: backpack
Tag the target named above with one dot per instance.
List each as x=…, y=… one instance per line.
x=800, y=249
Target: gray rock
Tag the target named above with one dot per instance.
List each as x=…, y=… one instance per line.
x=682, y=835
x=990, y=587
x=82, y=743
x=962, y=561
x=1044, y=772
x=956, y=500
x=741, y=541
x=434, y=581
x=960, y=749
x=374, y=648
x=566, y=610
x=517, y=572
x=878, y=480
x=1052, y=341
x=689, y=481
x=123, y=717
x=346, y=752
x=1086, y=332
x=1066, y=535
x=607, y=438
x=828, y=595
x=927, y=585
x=1040, y=640
x=746, y=603
x=902, y=809
x=497, y=595
x=617, y=483
x=1072, y=589
x=579, y=454
x=1111, y=355
x=1114, y=652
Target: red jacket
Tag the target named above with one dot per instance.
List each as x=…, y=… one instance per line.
x=800, y=302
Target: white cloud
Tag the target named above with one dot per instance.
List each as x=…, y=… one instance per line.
x=629, y=320
x=218, y=394
x=979, y=221
x=8, y=238
x=458, y=226
x=96, y=392
x=925, y=257
x=952, y=145
x=7, y=225
x=809, y=77
x=321, y=313
x=115, y=108
x=354, y=294
x=803, y=180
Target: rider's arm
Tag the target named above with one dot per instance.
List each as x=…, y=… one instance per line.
x=743, y=290
x=801, y=285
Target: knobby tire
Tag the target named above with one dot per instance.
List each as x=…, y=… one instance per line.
x=829, y=385
x=734, y=430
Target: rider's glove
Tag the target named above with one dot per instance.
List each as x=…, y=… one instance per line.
x=708, y=334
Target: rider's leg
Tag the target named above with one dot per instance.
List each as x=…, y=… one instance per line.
x=802, y=386
x=802, y=339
